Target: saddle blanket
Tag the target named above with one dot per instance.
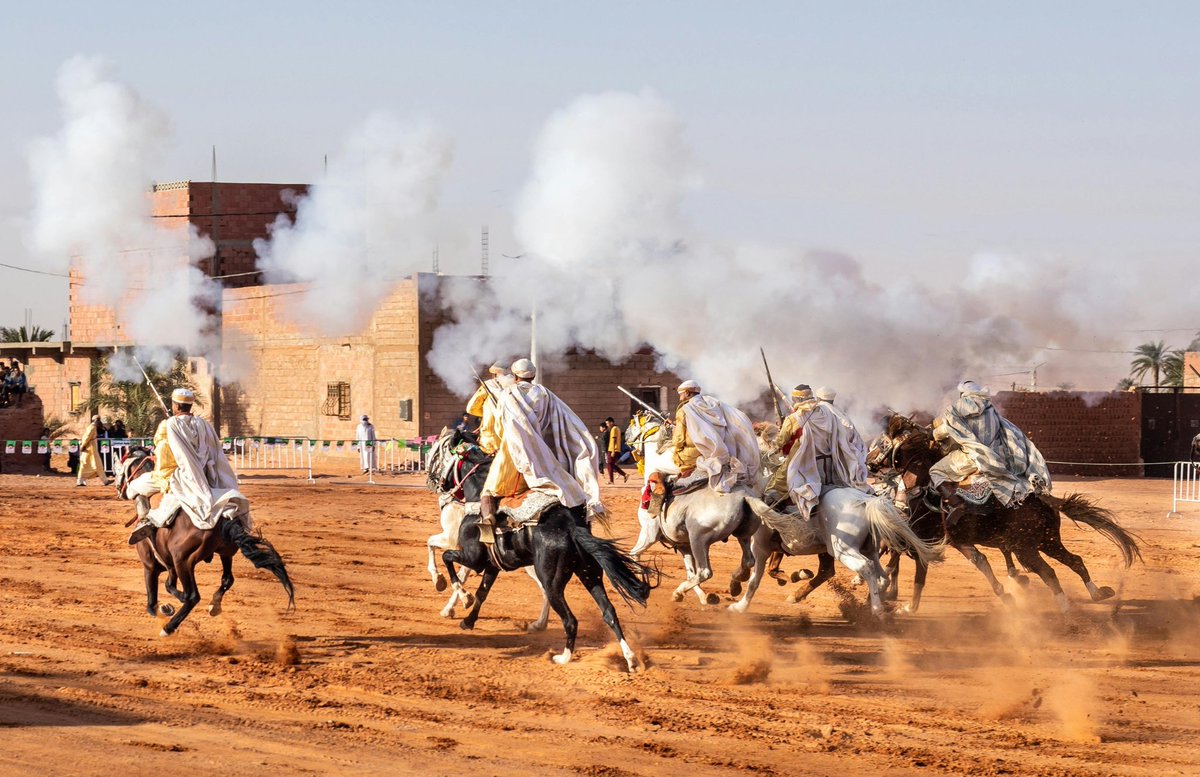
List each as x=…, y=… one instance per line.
x=521, y=510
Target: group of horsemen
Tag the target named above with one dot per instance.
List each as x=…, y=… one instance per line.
x=539, y=443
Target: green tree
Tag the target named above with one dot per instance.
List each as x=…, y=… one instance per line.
x=1149, y=358
x=1124, y=384
x=1173, y=369
x=19, y=334
x=135, y=401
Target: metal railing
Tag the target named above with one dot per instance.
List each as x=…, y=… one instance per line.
x=1185, y=485
x=275, y=454
x=399, y=457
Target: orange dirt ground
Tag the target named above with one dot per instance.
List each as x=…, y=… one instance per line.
x=364, y=677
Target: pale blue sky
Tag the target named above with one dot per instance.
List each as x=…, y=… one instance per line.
x=906, y=134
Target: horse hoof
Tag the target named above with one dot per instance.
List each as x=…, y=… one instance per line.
x=166, y=610
x=214, y=610
x=534, y=628
x=1022, y=580
x=164, y=633
x=677, y=597
x=735, y=590
x=782, y=580
x=468, y=601
x=466, y=624
x=562, y=658
x=803, y=574
x=712, y=599
x=908, y=609
x=439, y=585
x=1103, y=593
x=1008, y=599
x=856, y=581
x=738, y=607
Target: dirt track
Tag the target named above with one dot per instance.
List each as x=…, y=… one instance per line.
x=366, y=678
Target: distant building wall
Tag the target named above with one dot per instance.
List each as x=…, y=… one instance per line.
x=1191, y=369
x=1097, y=428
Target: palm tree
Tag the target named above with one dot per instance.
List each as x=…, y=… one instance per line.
x=1149, y=358
x=1173, y=369
x=135, y=400
x=20, y=334
x=1125, y=384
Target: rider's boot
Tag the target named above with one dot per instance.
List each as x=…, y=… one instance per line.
x=489, y=509
x=144, y=528
x=952, y=504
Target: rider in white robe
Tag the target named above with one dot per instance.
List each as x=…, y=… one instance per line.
x=203, y=483
x=986, y=443
x=723, y=437
x=828, y=453
x=546, y=443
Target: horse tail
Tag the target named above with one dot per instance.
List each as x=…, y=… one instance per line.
x=888, y=525
x=1080, y=509
x=630, y=578
x=261, y=552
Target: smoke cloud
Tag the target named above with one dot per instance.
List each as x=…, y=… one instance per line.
x=613, y=265
x=91, y=183
x=366, y=225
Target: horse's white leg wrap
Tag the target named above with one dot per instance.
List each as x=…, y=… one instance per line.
x=630, y=656
x=563, y=657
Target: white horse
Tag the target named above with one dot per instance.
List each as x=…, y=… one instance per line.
x=849, y=526
x=693, y=521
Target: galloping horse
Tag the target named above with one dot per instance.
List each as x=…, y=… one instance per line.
x=178, y=548
x=560, y=545
x=1027, y=530
x=692, y=522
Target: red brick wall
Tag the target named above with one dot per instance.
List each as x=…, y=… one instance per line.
x=244, y=213
x=1080, y=427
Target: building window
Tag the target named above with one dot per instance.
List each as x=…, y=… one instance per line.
x=406, y=410
x=651, y=395
x=76, y=396
x=337, y=400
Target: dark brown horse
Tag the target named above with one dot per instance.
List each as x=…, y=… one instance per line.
x=1026, y=530
x=178, y=548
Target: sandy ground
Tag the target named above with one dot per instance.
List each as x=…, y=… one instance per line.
x=366, y=678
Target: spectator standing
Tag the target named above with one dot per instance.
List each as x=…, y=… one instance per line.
x=363, y=434
x=90, y=463
x=612, y=441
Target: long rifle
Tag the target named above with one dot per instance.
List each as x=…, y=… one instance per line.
x=152, y=387
x=771, y=385
x=648, y=409
x=486, y=388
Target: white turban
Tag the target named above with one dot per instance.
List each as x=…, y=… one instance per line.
x=971, y=387
x=688, y=385
x=183, y=396
x=825, y=394
x=523, y=368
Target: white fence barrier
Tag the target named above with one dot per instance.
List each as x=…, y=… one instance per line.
x=399, y=457
x=271, y=454
x=1186, y=485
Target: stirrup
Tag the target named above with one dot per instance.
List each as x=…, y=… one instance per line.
x=143, y=531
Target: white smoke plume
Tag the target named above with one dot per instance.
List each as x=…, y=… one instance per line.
x=363, y=227
x=91, y=183
x=613, y=265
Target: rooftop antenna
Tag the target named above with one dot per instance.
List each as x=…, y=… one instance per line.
x=325, y=167
x=437, y=269
x=1033, y=376
x=214, y=164
x=483, y=240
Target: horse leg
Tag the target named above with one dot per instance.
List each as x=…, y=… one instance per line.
x=152, y=570
x=485, y=585
x=1011, y=568
x=742, y=573
x=703, y=569
x=554, y=574
x=439, y=580
x=1029, y=557
x=1053, y=547
x=825, y=571
x=592, y=577
x=760, y=548
x=173, y=578
x=186, y=569
x=689, y=567
x=980, y=561
x=457, y=580
x=214, y=607
x=891, y=591
x=544, y=618
x=856, y=561
x=918, y=586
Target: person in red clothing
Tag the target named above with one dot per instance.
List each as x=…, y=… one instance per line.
x=613, y=437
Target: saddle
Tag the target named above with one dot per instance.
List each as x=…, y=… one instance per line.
x=662, y=489
x=514, y=513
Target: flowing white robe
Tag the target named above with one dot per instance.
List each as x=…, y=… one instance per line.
x=550, y=446
x=366, y=453
x=829, y=454
x=725, y=439
x=204, y=483
x=997, y=447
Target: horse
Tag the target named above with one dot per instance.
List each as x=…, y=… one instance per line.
x=177, y=548
x=692, y=522
x=1026, y=530
x=457, y=468
x=560, y=545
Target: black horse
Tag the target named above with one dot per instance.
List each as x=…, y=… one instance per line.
x=1026, y=530
x=560, y=545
